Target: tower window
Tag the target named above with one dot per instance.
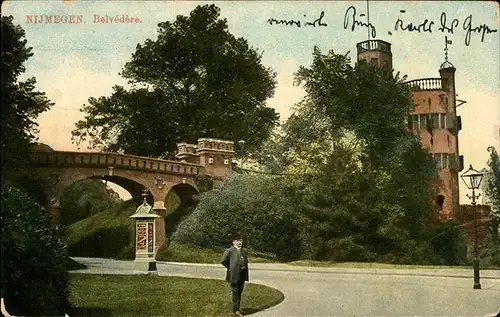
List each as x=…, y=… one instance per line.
x=442, y=120
x=442, y=160
x=440, y=201
x=422, y=121
x=435, y=120
x=446, y=160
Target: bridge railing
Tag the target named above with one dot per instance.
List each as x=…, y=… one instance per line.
x=79, y=159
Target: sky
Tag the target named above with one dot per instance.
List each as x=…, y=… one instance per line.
x=75, y=61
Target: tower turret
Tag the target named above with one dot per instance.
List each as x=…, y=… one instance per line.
x=216, y=155
x=376, y=52
x=447, y=74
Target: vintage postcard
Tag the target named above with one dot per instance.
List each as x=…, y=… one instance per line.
x=178, y=89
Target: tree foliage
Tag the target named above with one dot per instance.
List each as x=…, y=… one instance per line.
x=34, y=277
x=491, y=251
x=195, y=80
x=21, y=104
x=493, y=181
x=355, y=183
x=353, y=117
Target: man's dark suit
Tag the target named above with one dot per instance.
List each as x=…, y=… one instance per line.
x=234, y=259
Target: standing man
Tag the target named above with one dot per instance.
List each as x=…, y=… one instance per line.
x=236, y=262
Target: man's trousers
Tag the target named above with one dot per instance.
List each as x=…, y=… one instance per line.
x=237, y=290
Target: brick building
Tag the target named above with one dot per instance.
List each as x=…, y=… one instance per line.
x=434, y=119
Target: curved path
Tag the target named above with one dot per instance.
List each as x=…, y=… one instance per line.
x=348, y=292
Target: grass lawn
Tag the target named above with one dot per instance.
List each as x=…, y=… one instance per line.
x=118, y=295
x=372, y=265
x=107, y=234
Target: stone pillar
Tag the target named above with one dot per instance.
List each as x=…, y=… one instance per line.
x=159, y=209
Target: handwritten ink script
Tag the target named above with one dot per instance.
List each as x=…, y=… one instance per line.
x=316, y=23
x=426, y=26
x=352, y=20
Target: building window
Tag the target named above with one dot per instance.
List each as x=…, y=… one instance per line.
x=446, y=160
x=226, y=161
x=435, y=120
x=440, y=201
x=420, y=121
x=210, y=161
x=442, y=160
x=442, y=121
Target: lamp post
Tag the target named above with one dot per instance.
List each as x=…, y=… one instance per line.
x=242, y=145
x=472, y=180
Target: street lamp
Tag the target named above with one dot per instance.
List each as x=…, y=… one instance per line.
x=241, y=143
x=472, y=180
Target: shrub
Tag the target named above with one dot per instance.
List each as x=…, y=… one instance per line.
x=34, y=276
x=255, y=206
x=490, y=251
x=442, y=244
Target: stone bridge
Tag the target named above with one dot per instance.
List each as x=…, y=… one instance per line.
x=49, y=173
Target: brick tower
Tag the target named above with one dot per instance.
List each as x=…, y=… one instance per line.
x=216, y=155
x=433, y=118
x=376, y=52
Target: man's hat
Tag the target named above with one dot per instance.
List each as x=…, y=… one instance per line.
x=236, y=236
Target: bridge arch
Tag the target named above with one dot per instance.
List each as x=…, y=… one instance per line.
x=188, y=200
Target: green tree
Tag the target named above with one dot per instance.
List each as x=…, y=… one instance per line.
x=371, y=105
x=491, y=251
x=21, y=104
x=195, y=80
x=363, y=198
x=493, y=181
x=34, y=276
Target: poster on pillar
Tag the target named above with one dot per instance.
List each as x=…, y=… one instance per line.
x=150, y=237
x=141, y=234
